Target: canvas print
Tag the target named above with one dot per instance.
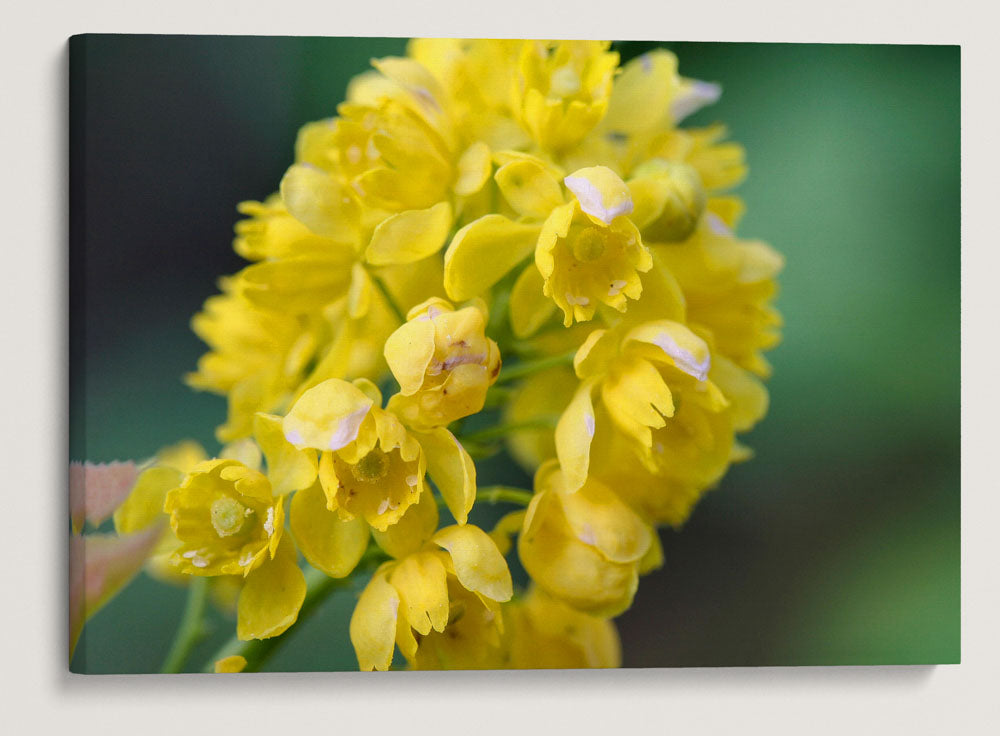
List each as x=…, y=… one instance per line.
x=444, y=353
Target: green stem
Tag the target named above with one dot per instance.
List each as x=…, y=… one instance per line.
x=500, y=431
x=528, y=367
x=191, y=630
x=384, y=290
x=504, y=494
x=319, y=586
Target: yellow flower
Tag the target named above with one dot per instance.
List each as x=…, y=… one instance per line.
x=585, y=547
x=371, y=466
x=664, y=429
x=720, y=164
x=392, y=157
x=438, y=600
x=545, y=633
x=561, y=89
x=226, y=518
x=443, y=361
x=588, y=251
x=637, y=374
x=729, y=285
x=476, y=75
x=648, y=100
x=256, y=357
x=669, y=200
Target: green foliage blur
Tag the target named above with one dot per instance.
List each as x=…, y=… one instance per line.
x=837, y=544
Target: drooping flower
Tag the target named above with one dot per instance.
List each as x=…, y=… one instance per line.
x=664, y=428
x=545, y=633
x=584, y=546
x=438, y=599
x=729, y=285
x=443, y=361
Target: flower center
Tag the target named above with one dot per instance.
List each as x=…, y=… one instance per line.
x=588, y=245
x=228, y=516
x=372, y=466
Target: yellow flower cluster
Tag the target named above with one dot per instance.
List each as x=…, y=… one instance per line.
x=534, y=200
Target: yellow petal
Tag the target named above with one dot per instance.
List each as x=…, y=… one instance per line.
x=231, y=664
x=691, y=97
x=642, y=93
x=451, y=469
x=529, y=188
x=679, y=345
x=369, y=389
x=328, y=543
x=408, y=351
x=413, y=77
x=421, y=582
x=653, y=559
x=272, y=596
x=599, y=518
x=746, y=393
x=473, y=169
x=529, y=307
x=245, y=450
x=568, y=569
x=413, y=530
x=144, y=504
x=595, y=354
x=574, y=433
x=303, y=283
x=637, y=398
x=183, y=456
x=483, y=251
x=359, y=293
x=327, y=416
x=478, y=563
x=288, y=468
x=319, y=202
x=373, y=624
x=601, y=193
x=410, y=235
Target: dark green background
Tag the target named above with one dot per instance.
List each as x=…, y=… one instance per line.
x=837, y=544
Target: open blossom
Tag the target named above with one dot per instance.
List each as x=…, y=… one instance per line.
x=589, y=252
x=371, y=466
x=226, y=518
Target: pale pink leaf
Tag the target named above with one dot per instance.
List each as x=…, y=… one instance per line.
x=97, y=489
x=99, y=566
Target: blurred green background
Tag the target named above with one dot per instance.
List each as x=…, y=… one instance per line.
x=837, y=544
